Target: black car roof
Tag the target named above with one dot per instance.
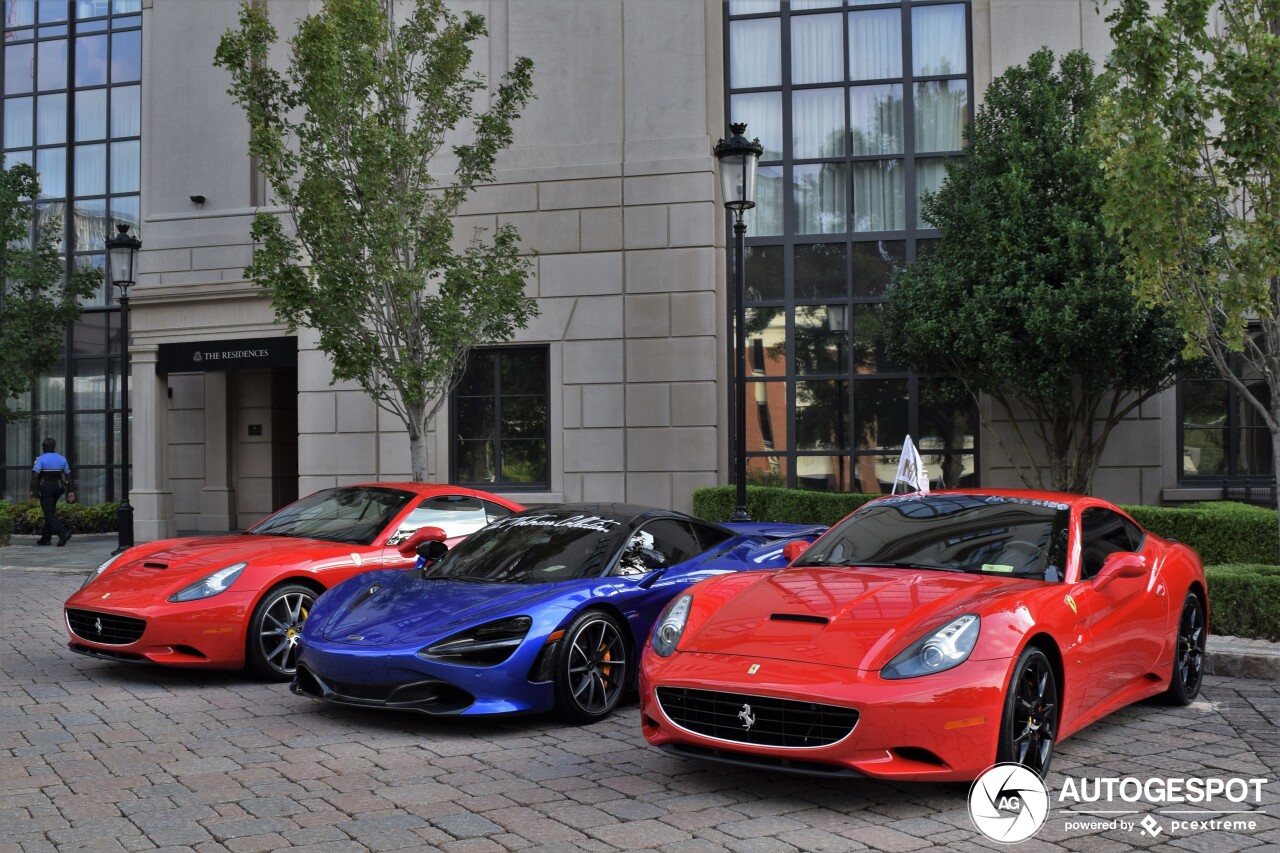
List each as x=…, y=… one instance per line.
x=618, y=511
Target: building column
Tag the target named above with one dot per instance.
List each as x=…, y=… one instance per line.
x=217, y=498
x=149, y=451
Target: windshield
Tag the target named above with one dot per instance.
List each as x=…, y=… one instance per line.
x=533, y=547
x=985, y=534
x=355, y=515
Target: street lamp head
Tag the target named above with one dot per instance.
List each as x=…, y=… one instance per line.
x=738, y=157
x=122, y=252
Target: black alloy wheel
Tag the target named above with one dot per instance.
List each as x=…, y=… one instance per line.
x=1030, y=723
x=271, y=644
x=592, y=669
x=1188, y=654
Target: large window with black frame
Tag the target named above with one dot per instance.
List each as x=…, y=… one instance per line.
x=500, y=425
x=72, y=109
x=1224, y=438
x=858, y=105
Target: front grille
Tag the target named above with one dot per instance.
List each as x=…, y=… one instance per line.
x=430, y=696
x=106, y=628
x=759, y=720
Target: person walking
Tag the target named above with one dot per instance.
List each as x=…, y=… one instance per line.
x=50, y=477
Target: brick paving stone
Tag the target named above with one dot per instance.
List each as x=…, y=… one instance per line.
x=637, y=834
x=467, y=825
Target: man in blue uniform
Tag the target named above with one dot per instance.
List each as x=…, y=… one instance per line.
x=50, y=477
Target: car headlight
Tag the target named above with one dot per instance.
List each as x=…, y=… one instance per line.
x=215, y=583
x=939, y=651
x=671, y=625
x=93, y=575
x=485, y=645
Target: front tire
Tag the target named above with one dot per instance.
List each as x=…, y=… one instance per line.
x=1188, y=654
x=592, y=668
x=1030, y=722
x=271, y=642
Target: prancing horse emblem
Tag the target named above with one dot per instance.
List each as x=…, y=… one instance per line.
x=748, y=718
x=97, y=625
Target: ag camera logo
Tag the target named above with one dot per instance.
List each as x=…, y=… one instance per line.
x=1008, y=803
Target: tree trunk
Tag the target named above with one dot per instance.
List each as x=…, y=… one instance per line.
x=419, y=416
x=1275, y=464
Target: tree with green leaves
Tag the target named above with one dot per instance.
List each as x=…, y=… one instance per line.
x=371, y=139
x=1191, y=138
x=37, y=302
x=1025, y=298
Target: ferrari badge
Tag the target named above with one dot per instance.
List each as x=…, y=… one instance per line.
x=1071, y=602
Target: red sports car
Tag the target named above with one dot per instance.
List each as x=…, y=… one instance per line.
x=237, y=601
x=928, y=636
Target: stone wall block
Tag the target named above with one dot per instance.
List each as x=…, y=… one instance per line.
x=602, y=405
x=602, y=192
x=649, y=316
x=594, y=274
x=671, y=359
x=645, y=227
x=665, y=270
x=649, y=405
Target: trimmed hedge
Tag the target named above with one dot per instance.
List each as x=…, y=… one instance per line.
x=770, y=503
x=1219, y=531
x=1244, y=600
x=25, y=518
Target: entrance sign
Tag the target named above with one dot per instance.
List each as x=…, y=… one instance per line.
x=242, y=354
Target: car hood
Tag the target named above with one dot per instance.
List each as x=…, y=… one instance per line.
x=177, y=563
x=848, y=617
x=409, y=609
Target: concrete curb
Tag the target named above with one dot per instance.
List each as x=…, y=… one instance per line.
x=1241, y=658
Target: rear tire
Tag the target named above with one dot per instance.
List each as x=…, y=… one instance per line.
x=1188, y=654
x=271, y=642
x=1030, y=722
x=592, y=668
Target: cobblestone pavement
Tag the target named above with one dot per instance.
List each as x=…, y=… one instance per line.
x=100, y=756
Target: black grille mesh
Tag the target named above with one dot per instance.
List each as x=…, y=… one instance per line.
x=106, y=628
x=773, y=722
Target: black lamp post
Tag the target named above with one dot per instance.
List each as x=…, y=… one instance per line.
x=122, y=252
x=738, y=158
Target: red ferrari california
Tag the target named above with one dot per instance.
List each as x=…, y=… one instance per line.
x=237, y=601
x=927, y=637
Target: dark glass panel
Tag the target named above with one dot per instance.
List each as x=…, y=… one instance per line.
x=1204, y=451
x=874, y=264
x=51, y=163
x=89, y=336
x=52, y=11
x=879, y=196
x=475, y=418
x=524, y=418
x=88, y=387
x=764, y=273
x=91, y=440
x=124, y=211
x=90, y=222
x=942, y=111
x=525, y=461
x=880, y=414
x=875, y=119
x=766, y=416
x=822, y=414
x=476, y=460
x=821, y=198
x=91, y=485
x=524, y=372
x=1204, y=403
x=947, y=416
x=477, y=381
x=767, y=470
x=767, y=341
x=91, y=169
x=820, y=271
x=823, y=473
x=1253, y=458
x=822, y=339
x=869, y=352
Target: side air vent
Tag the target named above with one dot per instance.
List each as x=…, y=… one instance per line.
x=799, y=617
x=155, y=565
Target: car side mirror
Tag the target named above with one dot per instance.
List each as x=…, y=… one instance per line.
x=432, y=551
x=652, y=559
x=409, y=547
x=1122, y=564
x=794, y=549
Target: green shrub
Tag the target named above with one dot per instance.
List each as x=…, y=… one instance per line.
x=26, y=518
x=1219, y=531
x=1244, y=600
x=6, y=527
x=768, y=503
